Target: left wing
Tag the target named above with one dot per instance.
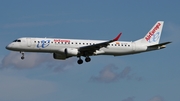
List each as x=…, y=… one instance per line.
x=92, y=48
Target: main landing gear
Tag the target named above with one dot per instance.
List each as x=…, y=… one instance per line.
x=22, y=57
x=87, y=59
x=80, y=61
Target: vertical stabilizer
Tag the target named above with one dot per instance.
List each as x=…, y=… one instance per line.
x=153, y=36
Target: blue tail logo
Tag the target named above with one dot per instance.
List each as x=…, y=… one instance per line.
x=154, y=37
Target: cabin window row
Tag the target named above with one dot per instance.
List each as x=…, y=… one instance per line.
x=79, y=43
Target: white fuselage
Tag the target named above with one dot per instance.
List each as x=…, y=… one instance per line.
x=56, y=45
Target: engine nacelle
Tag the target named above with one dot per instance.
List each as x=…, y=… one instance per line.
x=71, y=51
x=65, y=53
x=59, y=56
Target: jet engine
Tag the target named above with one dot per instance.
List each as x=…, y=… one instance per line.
x=59, y=56
x=65, y=53
x=71, y=51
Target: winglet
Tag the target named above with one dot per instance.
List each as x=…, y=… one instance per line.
x=117, y=38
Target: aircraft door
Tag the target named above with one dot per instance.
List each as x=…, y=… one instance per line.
x=134, y=46
x=28, y=42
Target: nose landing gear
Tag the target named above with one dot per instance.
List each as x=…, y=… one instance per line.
x=22, y=57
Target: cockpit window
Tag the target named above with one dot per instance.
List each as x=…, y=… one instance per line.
x=17, y=41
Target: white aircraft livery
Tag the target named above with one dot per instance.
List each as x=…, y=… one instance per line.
x=66, y=48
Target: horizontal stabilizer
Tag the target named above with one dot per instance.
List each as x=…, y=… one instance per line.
x=161, y=45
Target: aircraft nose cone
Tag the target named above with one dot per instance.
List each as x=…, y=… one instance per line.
x=9, y=47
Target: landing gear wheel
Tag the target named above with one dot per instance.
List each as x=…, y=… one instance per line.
x=80, y=61
x=22, y=57
x=87, y=59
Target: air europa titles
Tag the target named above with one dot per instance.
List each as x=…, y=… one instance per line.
x=59, y=40
x=151, y=33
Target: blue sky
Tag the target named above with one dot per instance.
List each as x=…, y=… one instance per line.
x=151, y=76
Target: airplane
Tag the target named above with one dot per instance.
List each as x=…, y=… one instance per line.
x=66, y=48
